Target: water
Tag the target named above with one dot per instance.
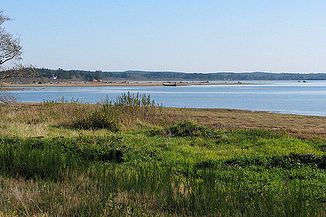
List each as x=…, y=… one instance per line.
x=273, y=96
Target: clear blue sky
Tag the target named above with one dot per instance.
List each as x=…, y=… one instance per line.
x=183, y=35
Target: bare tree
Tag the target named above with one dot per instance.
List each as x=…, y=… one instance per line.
x=10, y=47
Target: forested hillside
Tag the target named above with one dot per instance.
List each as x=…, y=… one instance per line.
x=80, y=75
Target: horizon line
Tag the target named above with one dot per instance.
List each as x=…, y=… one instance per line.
x=189, y=72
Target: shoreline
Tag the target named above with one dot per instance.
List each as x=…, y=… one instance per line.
x=7, y=86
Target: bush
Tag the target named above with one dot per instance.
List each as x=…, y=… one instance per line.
x=191, y=129
x=205, y=164
x=104, y=155
x=287, y=161
x=244, y=162
x=296, y=160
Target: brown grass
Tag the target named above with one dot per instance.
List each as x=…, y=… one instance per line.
x=306, y=127
x=31, y=119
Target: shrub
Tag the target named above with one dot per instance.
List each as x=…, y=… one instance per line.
x=106, y=155
x=295, y=160
x=244, y=161
x=191, y=129
x=205, y=164
x=287, y=161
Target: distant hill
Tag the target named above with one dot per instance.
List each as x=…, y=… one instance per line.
x=43, y=74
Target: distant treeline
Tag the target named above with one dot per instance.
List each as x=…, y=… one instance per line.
x=60, y=74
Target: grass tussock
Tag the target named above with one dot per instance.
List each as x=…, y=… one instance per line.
x=101, y=118
x=126, y=111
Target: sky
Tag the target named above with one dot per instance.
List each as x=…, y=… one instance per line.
x=178, y=35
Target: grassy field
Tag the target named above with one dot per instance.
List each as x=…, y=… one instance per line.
x=132, y=157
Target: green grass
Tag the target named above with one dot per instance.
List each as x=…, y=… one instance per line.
x=155, y=169
x=171, y=175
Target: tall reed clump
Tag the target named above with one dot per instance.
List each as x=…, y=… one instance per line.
x=138, y=107
x=124, y=112
x=101, y=118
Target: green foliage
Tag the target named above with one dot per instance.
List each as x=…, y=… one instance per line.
x=248, y=136
x=292, y=160
x=29, y=162
x=297, y=160
x=54, y=158
x=182, y=170
x=190, y=129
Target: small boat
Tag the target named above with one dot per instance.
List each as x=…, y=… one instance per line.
x=170, y=84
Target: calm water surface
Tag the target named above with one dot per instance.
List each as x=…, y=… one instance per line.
x=273, y=96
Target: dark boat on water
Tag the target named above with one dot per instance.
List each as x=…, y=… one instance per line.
x=171, y=84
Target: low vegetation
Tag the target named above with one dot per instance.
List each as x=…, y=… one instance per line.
x=132, y=157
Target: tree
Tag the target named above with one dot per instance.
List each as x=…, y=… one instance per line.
x=10, y=47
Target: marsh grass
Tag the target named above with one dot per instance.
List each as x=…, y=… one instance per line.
x=53, y=158
x=123, y=113
x=98, y=176
x=68, y=159
x=151, y=189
